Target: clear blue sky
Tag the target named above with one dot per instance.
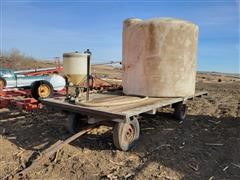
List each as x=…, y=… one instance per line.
x=45, y=29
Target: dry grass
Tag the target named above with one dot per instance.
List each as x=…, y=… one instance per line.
x=17, y=60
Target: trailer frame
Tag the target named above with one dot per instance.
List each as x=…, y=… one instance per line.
x=125, y=116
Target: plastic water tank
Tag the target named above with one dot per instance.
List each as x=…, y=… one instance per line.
x=75, y=67
x=159, y=57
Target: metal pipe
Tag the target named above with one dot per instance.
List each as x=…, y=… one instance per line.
x=110, y=62
x=88, y=72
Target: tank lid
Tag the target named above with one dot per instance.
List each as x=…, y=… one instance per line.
x=74, y=54
x=132, y=19
x=168, y=20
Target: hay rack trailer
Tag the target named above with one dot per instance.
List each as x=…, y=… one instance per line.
x=119, y=109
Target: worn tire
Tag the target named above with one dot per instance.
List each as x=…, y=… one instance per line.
x=180, y=111
x=125, y=135
x=41, y=89
x=3, y=82
x=75, y=122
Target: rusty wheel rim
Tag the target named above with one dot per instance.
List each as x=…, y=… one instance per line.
x=2, y=84
x=129, y=134
x=44, y=90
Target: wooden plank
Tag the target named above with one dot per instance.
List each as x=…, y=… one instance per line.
x=105, y=97
x=149, y=107
x=137, y=101
x=134, y=105
x=80, y=109
x=113, y=99
x=120, y=111
x=156, y=103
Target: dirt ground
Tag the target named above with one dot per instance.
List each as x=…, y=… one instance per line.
x=204, y=146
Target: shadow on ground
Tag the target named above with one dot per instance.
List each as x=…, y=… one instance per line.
x=200, y=147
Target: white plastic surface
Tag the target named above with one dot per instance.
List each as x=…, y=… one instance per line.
x=159, y=57
x=75, y=67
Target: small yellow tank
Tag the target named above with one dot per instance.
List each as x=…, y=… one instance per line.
x=75, y=67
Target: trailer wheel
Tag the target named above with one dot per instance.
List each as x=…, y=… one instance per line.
x=3, y=83
x=125, y=135
x=76, y=122
x=180, y=110
x=41, y=89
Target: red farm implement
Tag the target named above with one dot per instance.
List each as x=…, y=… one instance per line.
x=21, y=99
x=18, y=98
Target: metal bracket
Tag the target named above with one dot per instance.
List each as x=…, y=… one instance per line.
x=184, y=100
x=152, y=112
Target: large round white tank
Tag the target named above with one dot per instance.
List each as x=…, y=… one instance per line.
x=75, y=67
x=159, y=57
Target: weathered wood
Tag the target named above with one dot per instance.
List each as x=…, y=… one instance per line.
x=120, y=111
x=12, y=119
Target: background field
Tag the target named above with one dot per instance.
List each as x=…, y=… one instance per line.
x=205, y=146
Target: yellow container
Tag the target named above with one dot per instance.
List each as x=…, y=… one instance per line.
x=75, y=67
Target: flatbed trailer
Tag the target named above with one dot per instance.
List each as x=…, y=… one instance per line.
x=121, y=109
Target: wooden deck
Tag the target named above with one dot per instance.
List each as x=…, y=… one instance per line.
x=123, y=111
